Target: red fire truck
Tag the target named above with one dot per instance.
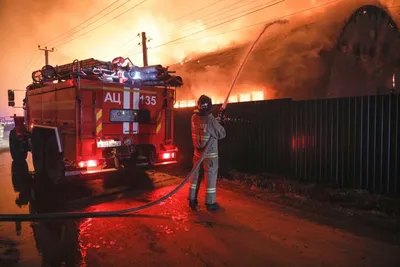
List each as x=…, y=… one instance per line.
x=89, y=116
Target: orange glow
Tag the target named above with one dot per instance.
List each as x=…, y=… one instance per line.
x=183, y=104
x=233, y=99
x=172, y=40
x=257, y=96
x=191, y=103
x=244, y=97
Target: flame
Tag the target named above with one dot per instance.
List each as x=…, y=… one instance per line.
x=243, y=97
x=175, y=34
x=233, y=99
x=183, y=103
x=191, y=103
x=256, y=96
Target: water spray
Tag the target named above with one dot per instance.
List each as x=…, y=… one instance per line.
x=223, y=107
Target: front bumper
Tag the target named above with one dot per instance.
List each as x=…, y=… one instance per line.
x=89, y=172
x=162, y=163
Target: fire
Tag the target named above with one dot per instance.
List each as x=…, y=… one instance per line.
x=256, y=96
x=191, y=103
x=244, y=97
x=233, y=99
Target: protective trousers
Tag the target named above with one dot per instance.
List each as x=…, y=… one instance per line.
x=210, y=166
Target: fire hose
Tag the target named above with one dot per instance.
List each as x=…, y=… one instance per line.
x=114, y=213
x=97, y=214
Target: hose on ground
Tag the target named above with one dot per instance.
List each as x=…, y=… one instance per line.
x=80, y=215
x=98, y=214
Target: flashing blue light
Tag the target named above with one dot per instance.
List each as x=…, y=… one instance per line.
x=137, y=76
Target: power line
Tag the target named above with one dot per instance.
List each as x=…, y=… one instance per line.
x=93, y=23
x=186, y=15
x=103, y=23
x=195, y=11
x=241, y=28
x=207, y=17
x=250, y=26
x=270, y=39
x=219, y=24
x=52, y=40
x=30, y=61
x=237, y=13
x=219, y=10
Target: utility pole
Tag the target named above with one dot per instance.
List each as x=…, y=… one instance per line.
x=46, y=53
x=144, y=47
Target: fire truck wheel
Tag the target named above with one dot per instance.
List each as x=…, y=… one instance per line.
x=38, y=153
x=17, y=150
x=54, y=161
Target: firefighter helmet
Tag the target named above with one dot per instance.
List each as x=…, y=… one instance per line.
x=204, y=104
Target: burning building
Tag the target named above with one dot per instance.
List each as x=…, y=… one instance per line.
x=344, y=50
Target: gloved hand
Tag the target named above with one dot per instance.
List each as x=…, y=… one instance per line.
x=220, y=116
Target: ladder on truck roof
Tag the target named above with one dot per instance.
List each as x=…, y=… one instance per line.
x=90, y=63
x=106, y=71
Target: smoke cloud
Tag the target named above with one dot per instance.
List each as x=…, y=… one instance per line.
x=26, y=24
x=292, y=60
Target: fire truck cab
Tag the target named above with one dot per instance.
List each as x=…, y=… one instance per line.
x=92, y=116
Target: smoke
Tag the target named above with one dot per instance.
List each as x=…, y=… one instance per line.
x=216, y=81
x=26, y=24
x=292, y=60
x=112, y=33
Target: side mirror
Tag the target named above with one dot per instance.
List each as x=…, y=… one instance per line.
x=11, y=98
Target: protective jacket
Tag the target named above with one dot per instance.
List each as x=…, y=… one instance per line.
x=204, y=127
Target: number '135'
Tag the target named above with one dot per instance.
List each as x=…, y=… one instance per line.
x=148, y=100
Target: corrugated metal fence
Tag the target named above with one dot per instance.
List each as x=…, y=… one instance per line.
x=348, y=142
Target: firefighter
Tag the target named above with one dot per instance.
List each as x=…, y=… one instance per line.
x=205, y=126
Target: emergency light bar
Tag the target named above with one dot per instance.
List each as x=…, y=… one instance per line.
x=155, y=75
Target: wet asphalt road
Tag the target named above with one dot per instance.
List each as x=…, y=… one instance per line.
x=248, y=232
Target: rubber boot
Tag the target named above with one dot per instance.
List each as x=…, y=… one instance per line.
x=194, y=204
x=213, y=207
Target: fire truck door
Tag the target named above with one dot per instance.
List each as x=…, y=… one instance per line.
x=88, y=123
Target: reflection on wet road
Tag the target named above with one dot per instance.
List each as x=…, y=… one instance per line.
x=248, y=232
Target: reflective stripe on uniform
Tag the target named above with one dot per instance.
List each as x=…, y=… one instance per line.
x=193, y=192
x=211, y=190
x=212, y=155
x=199, y=137
x=208, y=155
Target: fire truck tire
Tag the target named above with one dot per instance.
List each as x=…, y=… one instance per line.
x=17, y=150
x=54, y=164
x=37, y=140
